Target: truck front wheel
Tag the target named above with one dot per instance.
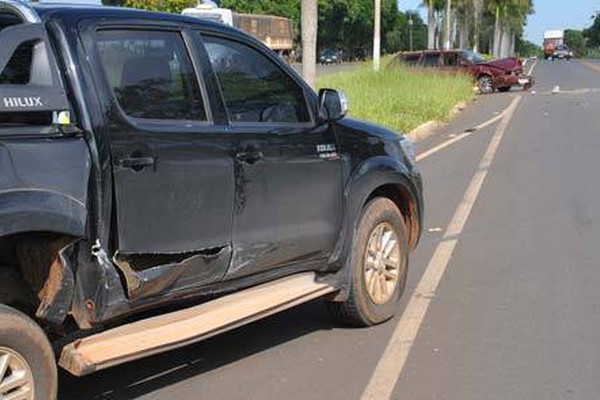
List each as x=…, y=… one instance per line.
x=27, y=364
x=378, y=266
x=485, y=84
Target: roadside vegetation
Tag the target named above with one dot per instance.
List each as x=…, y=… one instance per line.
x=400, y=98
x=585, y=43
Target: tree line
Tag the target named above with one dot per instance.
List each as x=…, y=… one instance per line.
x=585, y=42
x=490, y=26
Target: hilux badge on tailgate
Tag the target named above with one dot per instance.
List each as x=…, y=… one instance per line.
x=22, y=102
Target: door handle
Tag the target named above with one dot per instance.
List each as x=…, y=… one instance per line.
x=250, y=155
x=137, y=163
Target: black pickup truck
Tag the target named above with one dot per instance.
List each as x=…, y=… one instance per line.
x=164, y=179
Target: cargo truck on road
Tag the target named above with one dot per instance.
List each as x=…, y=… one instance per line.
x=554, y=45
x=275, y=32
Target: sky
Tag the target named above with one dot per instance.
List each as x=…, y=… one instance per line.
x=549, y=15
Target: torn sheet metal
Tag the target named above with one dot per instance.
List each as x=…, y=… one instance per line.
x=152, y=274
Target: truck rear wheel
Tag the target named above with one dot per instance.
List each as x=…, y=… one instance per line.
x=27, y=364
x=378, y=267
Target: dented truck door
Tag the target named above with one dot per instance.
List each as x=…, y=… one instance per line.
x=172, y=165
x=288, y=172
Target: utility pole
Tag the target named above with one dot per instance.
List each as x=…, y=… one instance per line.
x=448, y=24
x=377, y=36
x=309, y=41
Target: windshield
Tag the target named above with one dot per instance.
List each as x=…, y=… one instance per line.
x=474, y=57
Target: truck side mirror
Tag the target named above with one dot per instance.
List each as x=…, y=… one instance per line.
x=333, y=104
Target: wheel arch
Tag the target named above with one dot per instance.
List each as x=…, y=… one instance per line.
x=38, y=210
x=407, y=205
x=37, y=228
x=380, y=176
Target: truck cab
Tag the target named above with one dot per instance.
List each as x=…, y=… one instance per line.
x=171, y=178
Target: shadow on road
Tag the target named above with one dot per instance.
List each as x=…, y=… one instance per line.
x=145, y=376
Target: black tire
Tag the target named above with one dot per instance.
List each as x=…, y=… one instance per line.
x=22, y=336
x=504, y=89
x=485, y=84
x=360, y=309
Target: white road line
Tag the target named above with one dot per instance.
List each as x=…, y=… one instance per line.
x=532, y=67
x=458, y=138
x=394, y=358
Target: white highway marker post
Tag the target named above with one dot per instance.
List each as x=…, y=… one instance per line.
x=394, y=357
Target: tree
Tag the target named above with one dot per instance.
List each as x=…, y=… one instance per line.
x=433, y=9
x=592, y=34
x=477, y=13
x=377, y=36
x=309, y=41
x=576, y=41
x=172, y=6
x=525, y=48
x=510, y=17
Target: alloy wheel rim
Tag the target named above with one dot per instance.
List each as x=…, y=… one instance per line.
x=16, y=378
x=486, y=85
x=382, y=263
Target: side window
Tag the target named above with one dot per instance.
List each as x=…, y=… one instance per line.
x=254, y=88
x=431, y=60
x=450, y=59
x=411, y=59
x=18, y=69
x=151, y=74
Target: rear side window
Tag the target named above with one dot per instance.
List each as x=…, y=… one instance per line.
x=431, y=59
x=151, y=75
x=450, y=59
x=254, y=88
x=411, y=59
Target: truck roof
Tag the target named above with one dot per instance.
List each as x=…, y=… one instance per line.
x=554, y=34
x=53, y=10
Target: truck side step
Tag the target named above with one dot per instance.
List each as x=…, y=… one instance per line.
x=166, y=332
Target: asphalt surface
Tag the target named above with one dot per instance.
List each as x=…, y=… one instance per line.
x=517, y=311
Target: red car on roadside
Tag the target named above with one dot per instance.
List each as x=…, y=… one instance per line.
x=501, y=74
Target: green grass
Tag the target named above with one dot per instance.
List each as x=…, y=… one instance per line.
x=400, y=98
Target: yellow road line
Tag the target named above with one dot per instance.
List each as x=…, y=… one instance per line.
x=590, y=65
x=394, y=358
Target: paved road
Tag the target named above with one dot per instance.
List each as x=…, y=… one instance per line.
x=516, y=314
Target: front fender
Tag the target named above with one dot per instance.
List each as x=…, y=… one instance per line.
x=38, y=210
x=370, y=175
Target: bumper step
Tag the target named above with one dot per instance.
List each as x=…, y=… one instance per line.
x=166, y=332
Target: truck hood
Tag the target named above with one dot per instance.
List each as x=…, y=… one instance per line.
x=507, y=64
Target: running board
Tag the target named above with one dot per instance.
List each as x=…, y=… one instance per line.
x=166, y=332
